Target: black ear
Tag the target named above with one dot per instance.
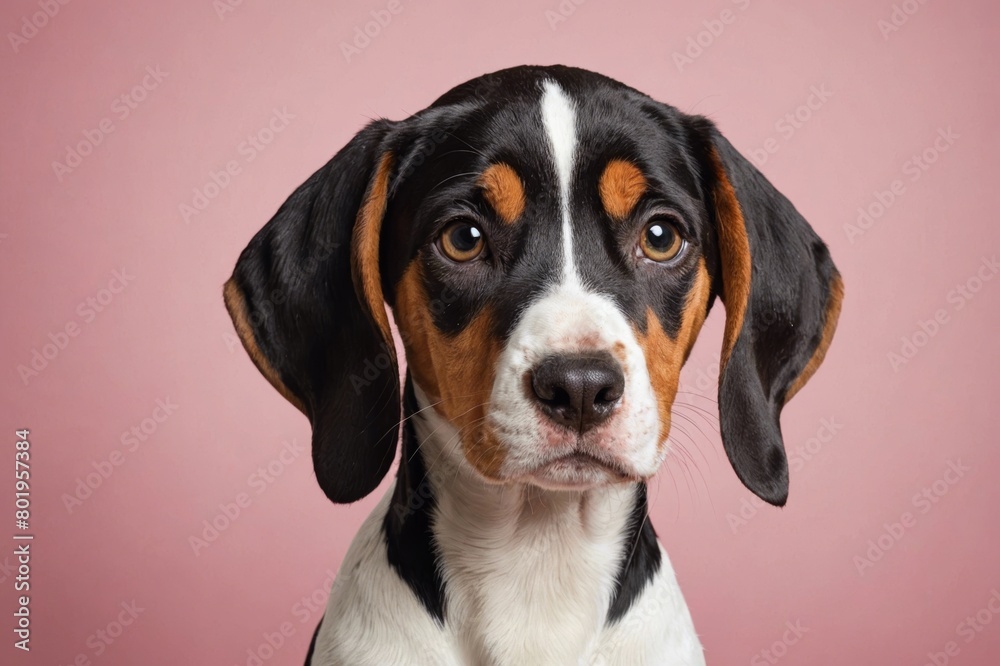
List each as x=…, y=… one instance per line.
x=306, y=300
x=782, y=294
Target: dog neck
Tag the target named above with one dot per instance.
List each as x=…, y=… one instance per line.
x=516, y=558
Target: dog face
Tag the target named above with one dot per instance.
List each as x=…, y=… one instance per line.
x=550, y=242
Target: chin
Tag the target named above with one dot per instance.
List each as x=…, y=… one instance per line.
x=580, y=471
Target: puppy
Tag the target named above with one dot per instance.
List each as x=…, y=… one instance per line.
x=549, y=242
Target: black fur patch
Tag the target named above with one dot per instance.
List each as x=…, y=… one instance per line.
x=312, y=644
x=640, y=562
x=410, y=544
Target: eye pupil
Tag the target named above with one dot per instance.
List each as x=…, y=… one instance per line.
x=462, y=241
x=465, y=237
x=660, y=241
x=660, y=237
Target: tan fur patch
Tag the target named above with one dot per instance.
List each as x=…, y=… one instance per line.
x=665, y=356
x=619, y=352
x=456, y=372
x=504, y=191
x=236, y=305
x=621, y=186
x=833, y=304
x=365, y=246
x=734, y=248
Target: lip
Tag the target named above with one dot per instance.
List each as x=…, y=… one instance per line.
x=578, y=471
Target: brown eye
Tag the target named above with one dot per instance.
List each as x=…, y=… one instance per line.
x=462, y=241
x=660, y=241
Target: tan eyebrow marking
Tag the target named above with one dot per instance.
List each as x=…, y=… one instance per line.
x=621, y=186
x=504, y=191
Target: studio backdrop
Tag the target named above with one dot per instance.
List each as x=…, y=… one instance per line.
x=170, y=513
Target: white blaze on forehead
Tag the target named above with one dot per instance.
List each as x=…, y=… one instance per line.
x=559, y=120
x=570, y=319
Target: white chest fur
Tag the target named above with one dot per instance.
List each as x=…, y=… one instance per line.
x=529, y=576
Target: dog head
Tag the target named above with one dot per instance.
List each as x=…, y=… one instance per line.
x=550, y=242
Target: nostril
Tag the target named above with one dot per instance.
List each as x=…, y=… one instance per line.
x=553, y=395
x=560, y=396
x=609, y=394
x=544, y=383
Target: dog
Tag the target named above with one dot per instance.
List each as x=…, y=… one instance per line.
x=549, y=242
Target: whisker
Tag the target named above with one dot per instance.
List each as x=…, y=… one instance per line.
x=700, y=395
x=700, y=431
x=710, y=416
x=453, y=177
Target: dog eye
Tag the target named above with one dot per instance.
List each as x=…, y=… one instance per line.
x=462, y=241
x=661, y=241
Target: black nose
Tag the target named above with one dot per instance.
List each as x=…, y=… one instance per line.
x=578, y=391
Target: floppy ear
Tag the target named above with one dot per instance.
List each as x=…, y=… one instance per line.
x=306, y=301
x=782, y=295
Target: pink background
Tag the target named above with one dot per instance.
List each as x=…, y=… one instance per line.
x=166, y=335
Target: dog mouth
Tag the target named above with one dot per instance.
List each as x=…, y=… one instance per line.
x=580, y=470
